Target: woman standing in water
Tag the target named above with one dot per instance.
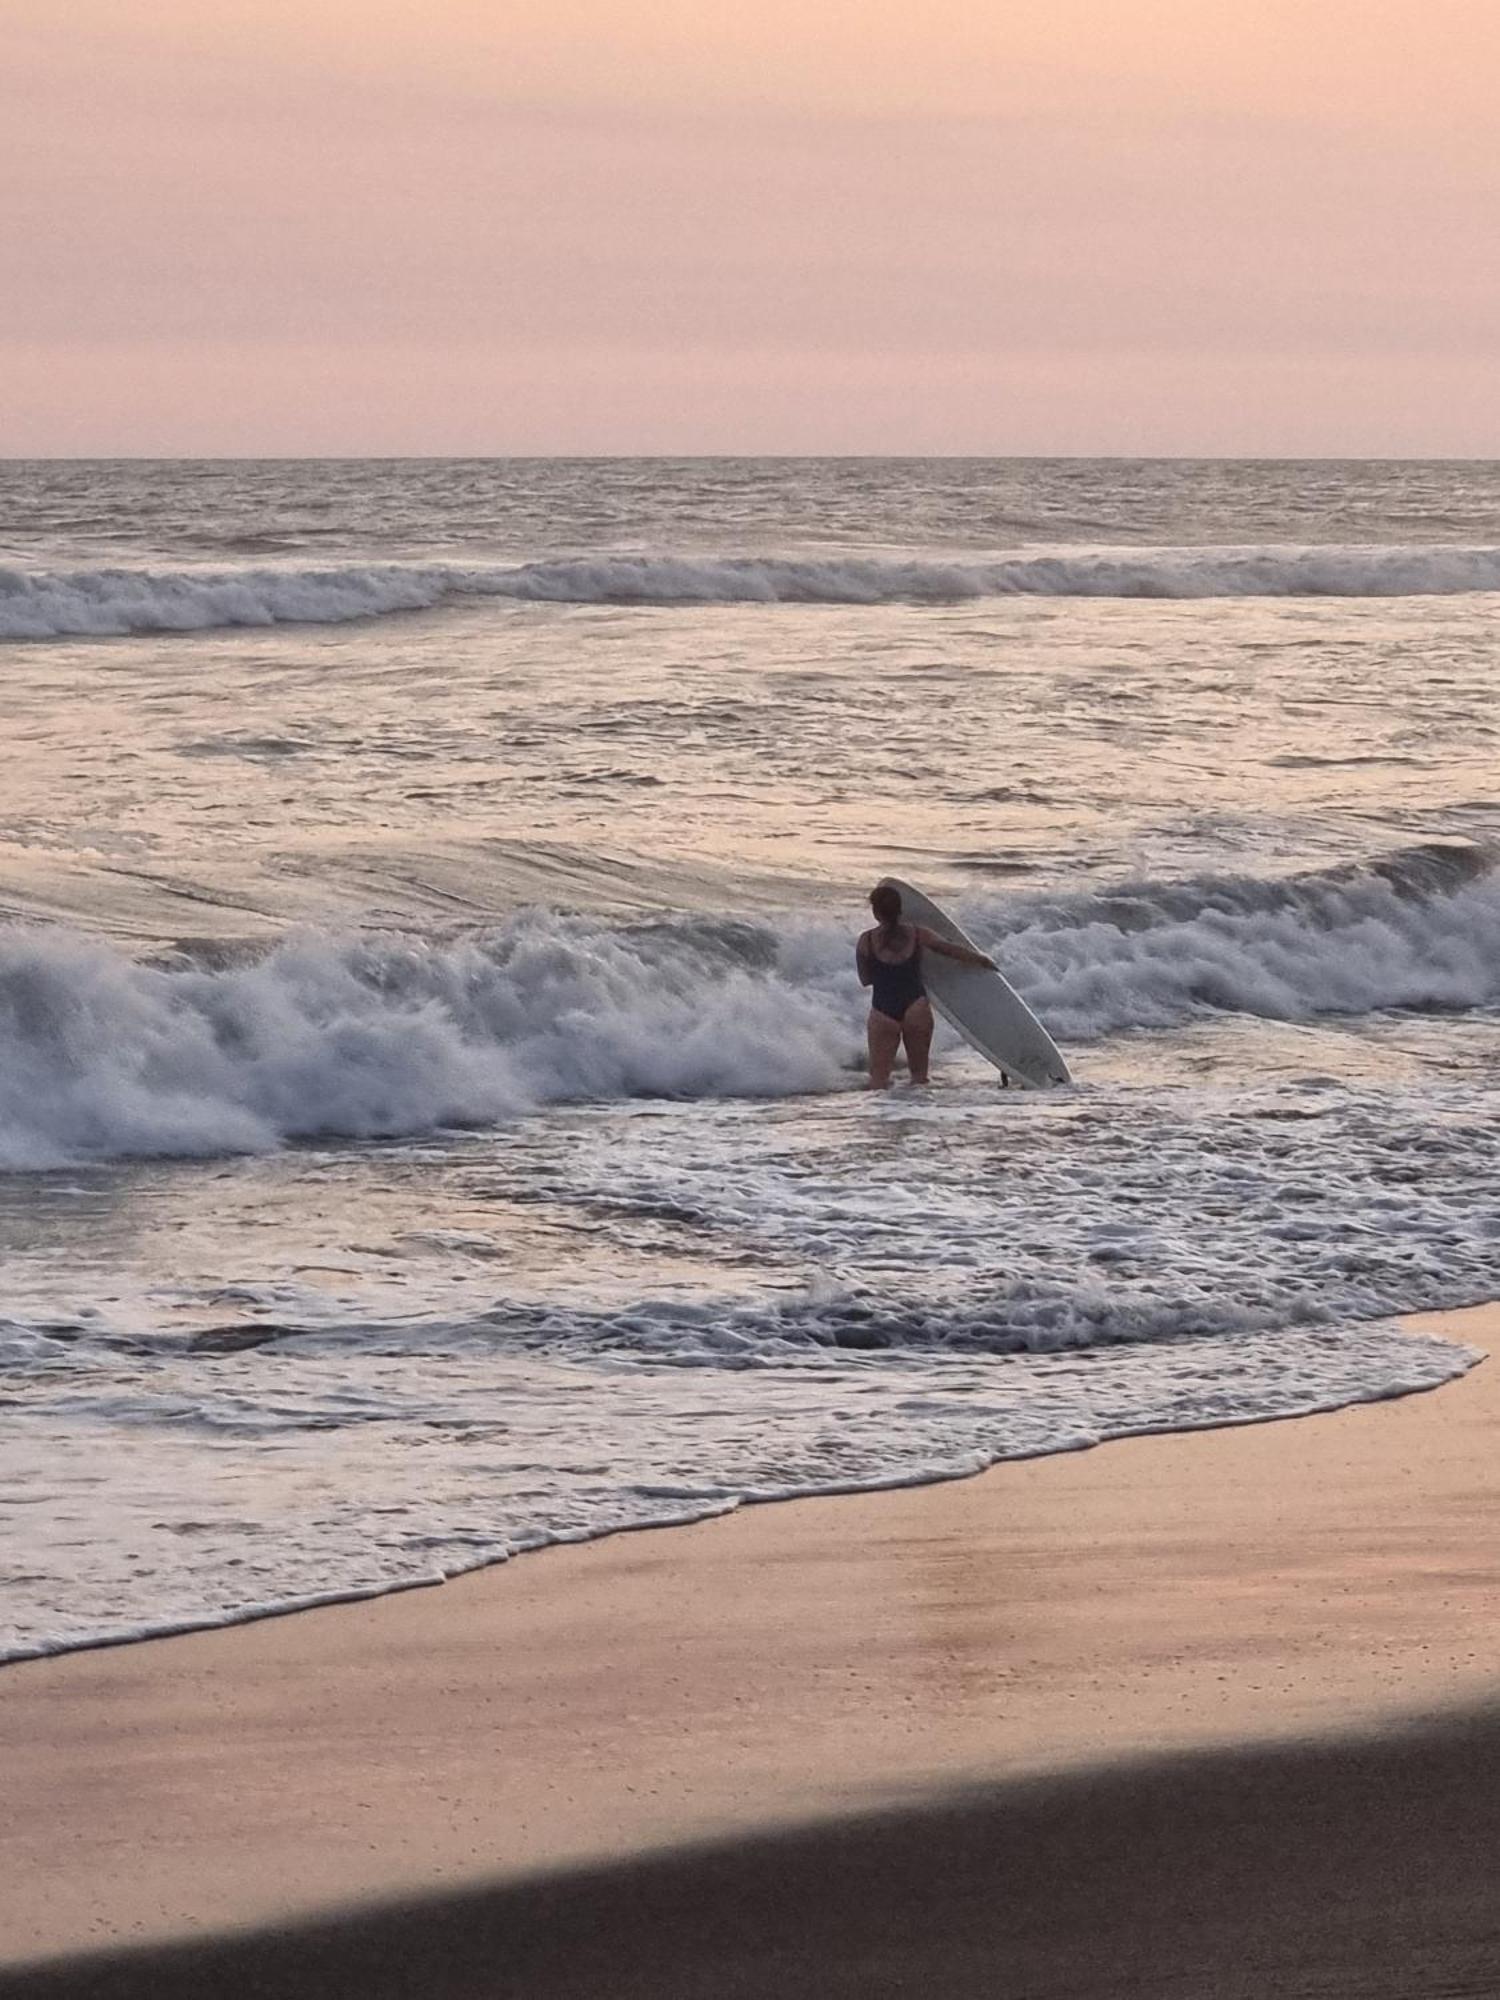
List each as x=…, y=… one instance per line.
x=889, y=959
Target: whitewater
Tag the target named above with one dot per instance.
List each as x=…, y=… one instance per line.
x=431, y=1122
x=46, y=604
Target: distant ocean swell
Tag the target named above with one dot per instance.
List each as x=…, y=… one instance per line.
x=42, y=604
x=103, y=1057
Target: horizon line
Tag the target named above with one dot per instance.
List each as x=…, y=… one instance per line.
x=741, y=457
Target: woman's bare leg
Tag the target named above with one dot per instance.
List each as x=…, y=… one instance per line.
x=916, y=1032
x=885, y=1042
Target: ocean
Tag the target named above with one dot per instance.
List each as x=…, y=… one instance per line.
x=431, y=1109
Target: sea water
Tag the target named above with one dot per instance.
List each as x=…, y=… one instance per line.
x=431, y=1121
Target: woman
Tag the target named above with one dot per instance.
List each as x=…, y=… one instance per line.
x=889, y=959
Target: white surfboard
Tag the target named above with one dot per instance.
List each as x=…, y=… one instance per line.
x=984, y=1007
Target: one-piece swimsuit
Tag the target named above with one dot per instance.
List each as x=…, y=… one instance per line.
x=895, y=988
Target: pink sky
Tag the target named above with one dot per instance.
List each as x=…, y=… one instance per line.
x=290, y=226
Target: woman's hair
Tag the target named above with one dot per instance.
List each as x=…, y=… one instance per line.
x=886, y=903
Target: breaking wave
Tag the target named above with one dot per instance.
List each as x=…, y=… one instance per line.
x=46, y=604
x=370, y=1035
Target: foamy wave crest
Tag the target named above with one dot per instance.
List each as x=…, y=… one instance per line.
x=101, y=1056
x=110, y=603
x=1271, y=572
x=114, y=602
x=1417, y=930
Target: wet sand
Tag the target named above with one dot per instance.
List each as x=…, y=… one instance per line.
x=1193, y=1715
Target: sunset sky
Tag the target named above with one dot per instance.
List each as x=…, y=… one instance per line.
x=310, y=226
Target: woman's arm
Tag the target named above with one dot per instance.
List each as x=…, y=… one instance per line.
x=932, y=942
x=862, y=960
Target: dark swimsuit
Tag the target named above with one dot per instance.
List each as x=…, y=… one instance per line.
x=895, y=988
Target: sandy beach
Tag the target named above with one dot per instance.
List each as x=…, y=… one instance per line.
x=1204, y=1715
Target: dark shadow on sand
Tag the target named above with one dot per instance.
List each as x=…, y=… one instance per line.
x=1364, y=1867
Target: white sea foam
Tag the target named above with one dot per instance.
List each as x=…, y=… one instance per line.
x=518, y=1453
x=902, y=1291
x=40, y=604
x=1418, y=931
x=101, y=1056
x=890, y=1291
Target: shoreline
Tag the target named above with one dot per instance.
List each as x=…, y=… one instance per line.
x=834, y=1662
x=337, y=1596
